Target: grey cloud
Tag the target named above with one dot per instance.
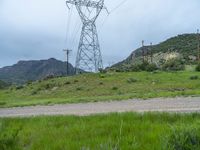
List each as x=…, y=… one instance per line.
x=36, y=29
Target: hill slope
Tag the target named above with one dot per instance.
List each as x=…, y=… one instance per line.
x=182, y=46
x=24, y=71
x=101, y=87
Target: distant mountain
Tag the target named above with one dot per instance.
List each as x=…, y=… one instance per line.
x=181, y=46
x=33, y=70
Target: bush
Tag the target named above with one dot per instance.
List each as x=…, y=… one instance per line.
x=79, y=88
x=75, y=81
x=101, y=83
x=184, y=139
x=114, y=88
x=67, y=82
x=34, y=92
x=19, y=87
x=48, y=86
x=102, y=71
x=102, y=76
x=132, y=80
x=194, y=78
x=173, y=65
x=29, y=82
x=198, y=67
x=144, y=67
x=151, y=67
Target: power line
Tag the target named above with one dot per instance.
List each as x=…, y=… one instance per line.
x=68, y=25
x=118, y=6
x=114, y=9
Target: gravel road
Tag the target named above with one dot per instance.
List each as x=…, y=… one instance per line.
x=178, y=105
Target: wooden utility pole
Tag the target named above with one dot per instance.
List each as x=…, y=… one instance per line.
x=143, y=53
x=198, y=46
x=151, y=52
x=67, y=51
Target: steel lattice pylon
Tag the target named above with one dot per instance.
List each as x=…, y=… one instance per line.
x=89, y=55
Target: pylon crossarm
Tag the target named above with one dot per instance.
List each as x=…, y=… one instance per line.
x=87, y=3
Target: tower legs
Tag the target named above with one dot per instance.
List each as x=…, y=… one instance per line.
x=89, y=57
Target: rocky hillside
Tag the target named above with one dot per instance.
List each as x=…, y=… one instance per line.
x=25, y=71
x=181, y=46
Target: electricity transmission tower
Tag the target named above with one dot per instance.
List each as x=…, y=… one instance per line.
x=89, y=55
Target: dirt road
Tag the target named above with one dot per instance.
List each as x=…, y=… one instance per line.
x=182, y=105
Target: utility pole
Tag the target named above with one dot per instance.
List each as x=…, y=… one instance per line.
x=67, y=52
x=143, y=53
x=198, y=46
x=89, y=56
x=151, y=52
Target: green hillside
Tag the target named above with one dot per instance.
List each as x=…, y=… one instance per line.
x=183, y=46
x=102, y=87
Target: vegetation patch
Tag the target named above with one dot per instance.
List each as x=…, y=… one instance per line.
x=148, y=131
x=173, y=65
x=132, y=80
x=194, y=77
x=198, y=67
x=91, y=88
x=115, y=88
x=184, y=139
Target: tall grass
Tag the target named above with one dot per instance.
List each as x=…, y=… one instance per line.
x=149, y=131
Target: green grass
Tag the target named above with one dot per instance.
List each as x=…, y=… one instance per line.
x=102, y=87
x=149, y=131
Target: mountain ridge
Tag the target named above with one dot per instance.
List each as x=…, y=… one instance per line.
x=183, y=46
x=24, y=71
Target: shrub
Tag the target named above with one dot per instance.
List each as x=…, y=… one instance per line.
x=198, y=67
x=49, y=77
x=114, y=88
x=151, y=67
x=79, y=88
x=135, y=68
x=102, y=76
x=132, y=80
x=75, y=81
x=48, y=86
x=194, y=78
x=67, y=82
x=173, y=65
x=184, y=139
x=34, y=92
x=2, y=103
x=101, y=83
x=144, y=67
x=102, y=71
x=29, y=82
x=19, y=87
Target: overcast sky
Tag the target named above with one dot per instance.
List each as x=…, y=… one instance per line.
x=36, y=29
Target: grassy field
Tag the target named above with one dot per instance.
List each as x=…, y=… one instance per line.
x=102, y=132
x=102, y=87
